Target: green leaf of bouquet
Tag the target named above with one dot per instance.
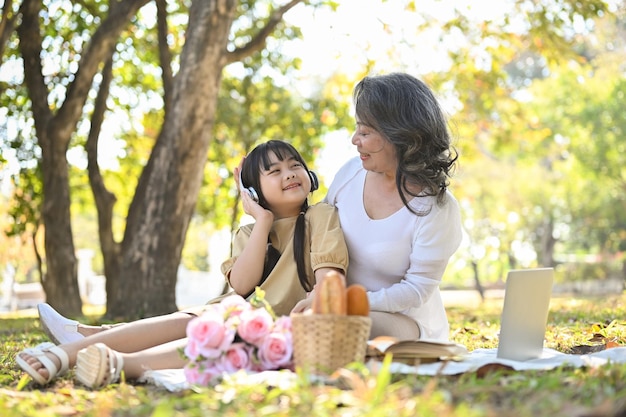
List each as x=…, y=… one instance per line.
x=258, y=301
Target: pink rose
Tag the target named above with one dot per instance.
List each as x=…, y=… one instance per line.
x=255, y=325
x=276, y=351
x=195, y=375
x=191, y=350
x=238, y=356
x=234, y=306
x=261, y=343
x=207, y=335
x=283, y=324
x=235, y=303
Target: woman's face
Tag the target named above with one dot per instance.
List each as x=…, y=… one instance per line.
x=377, y=153
x=285, y=185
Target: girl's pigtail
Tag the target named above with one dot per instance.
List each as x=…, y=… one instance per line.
x=298, y=248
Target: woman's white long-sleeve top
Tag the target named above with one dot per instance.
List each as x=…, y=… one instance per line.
x=400, y=259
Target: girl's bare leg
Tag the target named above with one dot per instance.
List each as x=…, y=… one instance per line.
x=127, y=338
x=89, y=330
x=164, y=356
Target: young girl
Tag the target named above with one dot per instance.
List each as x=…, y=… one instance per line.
x=290, y=246
x=281, y=214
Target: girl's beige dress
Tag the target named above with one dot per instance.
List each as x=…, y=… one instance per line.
x=325, y=245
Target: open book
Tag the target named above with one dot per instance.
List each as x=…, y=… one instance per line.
x=414, y=351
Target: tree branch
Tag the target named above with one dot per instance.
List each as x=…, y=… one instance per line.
x=98, y=50
x=30, y=46
x=7, y=25
x=104, y=199
x=165, y=55
x=258, y=42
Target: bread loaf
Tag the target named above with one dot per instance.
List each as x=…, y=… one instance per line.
x=330, y=295
x=357, y=301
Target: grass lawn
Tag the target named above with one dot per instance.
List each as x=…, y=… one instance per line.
x=576, y=325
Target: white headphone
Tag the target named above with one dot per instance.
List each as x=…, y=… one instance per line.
x=250, y=190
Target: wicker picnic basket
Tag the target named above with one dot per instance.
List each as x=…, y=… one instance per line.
x=323, y=343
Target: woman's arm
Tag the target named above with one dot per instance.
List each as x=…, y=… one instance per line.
x=434, y=242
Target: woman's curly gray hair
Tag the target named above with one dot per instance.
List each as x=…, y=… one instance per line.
x=405, y=111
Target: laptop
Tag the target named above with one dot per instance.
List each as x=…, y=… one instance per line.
x=525, y=313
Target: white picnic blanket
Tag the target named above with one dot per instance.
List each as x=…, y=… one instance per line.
x=174, y=379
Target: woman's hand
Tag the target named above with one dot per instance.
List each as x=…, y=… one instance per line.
x=303, y=305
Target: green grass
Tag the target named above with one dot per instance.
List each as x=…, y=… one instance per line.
x=575, y=325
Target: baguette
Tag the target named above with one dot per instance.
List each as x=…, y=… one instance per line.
x=330, y=295
x=357, y=301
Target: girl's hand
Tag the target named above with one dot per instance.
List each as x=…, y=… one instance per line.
x=253, y=208
x=237, y=173
x=250, y=207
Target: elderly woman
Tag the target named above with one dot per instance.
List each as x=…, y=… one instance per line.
x=400, y=222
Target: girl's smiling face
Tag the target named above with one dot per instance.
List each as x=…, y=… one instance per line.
x=285, y=185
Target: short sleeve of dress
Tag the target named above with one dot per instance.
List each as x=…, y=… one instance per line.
x=241, y=237
x=328, y=246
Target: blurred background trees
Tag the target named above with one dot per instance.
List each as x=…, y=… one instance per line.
x=121, y=124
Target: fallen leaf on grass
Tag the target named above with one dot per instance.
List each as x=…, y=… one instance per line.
x=612, y=344
x=23, y=382
x=490, y=368
x=586, y=349
x=607, y=343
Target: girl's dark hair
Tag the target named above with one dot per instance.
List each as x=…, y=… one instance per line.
x=259, y=159
x=405, y=111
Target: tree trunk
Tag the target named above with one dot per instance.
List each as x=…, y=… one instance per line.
x=546, y=256
x=59, y=279
x=54, y=131
x=479, y=287
x=104, y=199
x=168, y=187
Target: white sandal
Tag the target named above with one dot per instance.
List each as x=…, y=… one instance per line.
x=39, y=352
x=98, y=365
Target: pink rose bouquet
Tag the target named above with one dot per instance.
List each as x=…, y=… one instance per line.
x=235, y=334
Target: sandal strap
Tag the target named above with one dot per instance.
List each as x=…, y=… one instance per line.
x=40, y=355
x=39, y=352
x=62, y=355
x=98, y=365
x=115, y=370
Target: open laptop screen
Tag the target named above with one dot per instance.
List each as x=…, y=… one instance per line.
x=525, y=313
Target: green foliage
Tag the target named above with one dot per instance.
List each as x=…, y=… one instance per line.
x=587, y=137
x=541, y=163
x=535, y=96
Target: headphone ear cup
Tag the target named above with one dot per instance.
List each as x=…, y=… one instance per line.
x=315, y=184
x=252, y=192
